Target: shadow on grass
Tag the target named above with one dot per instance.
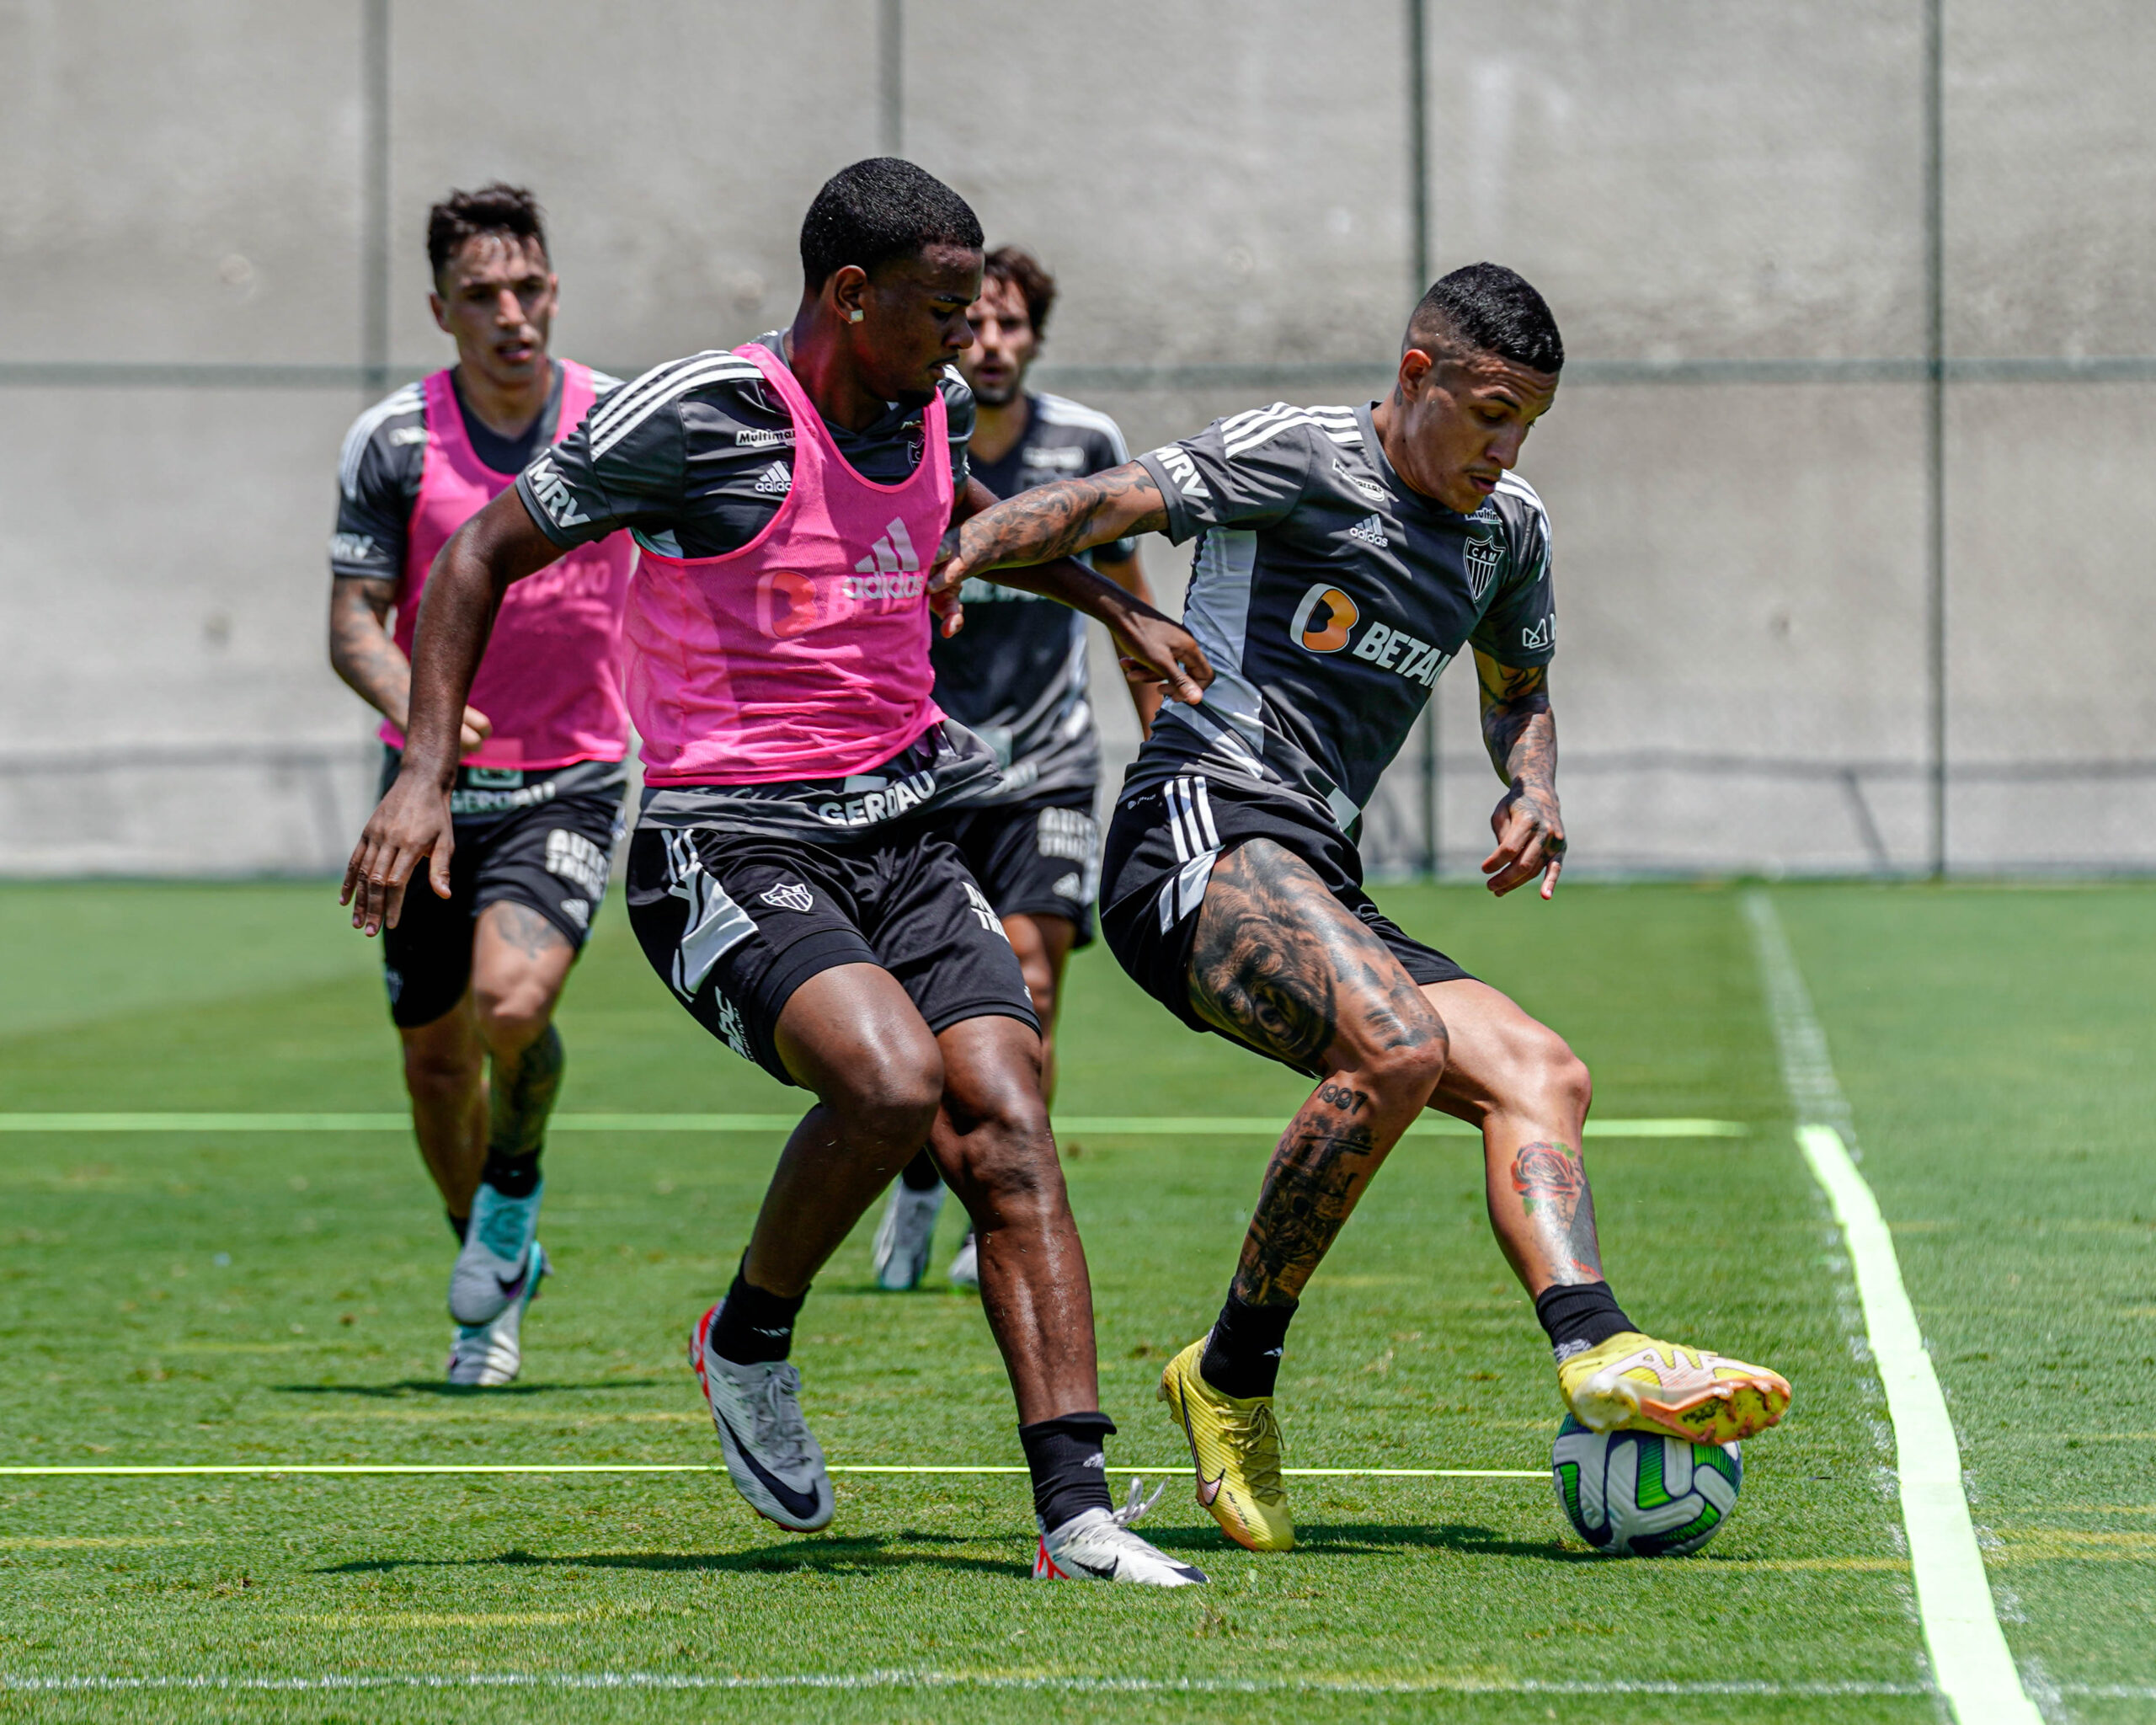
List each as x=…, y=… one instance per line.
x=435, y=1386
x=869, y=1555
x=1354, y=1539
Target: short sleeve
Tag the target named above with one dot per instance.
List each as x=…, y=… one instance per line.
x=377, y=481
x=959, y=414
x=623, y=466
x=1519, y=629
x=1105, y=449
x=1248, y=470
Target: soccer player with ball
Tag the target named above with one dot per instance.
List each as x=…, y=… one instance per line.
x=1346, y=556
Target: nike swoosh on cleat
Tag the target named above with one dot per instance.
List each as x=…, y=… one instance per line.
x=1094, y=1569
x=1208, y=1489
x=801, y=1505
x=511, y=1286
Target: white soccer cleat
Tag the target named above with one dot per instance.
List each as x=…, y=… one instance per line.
x=489, y=1355
x=907, y=1233
x=496, y=1262
x=773, y=1457
x=1099, y=1546
x=965, y=1267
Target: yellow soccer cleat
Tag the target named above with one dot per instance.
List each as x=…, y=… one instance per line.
x=1235, y=1444
x=1634, y=1383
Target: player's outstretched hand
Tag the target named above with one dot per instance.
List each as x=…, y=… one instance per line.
x=1530, y=841
x=1149, y=645
x=410, y=825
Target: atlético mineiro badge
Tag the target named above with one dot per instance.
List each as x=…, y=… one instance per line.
x=1482, y=558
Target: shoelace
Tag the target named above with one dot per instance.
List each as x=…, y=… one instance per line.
x=781, y=1431
x=1250, y=1435
x=1133, y=1508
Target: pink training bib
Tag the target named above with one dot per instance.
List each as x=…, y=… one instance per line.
x=550, y=680
x=804, y=654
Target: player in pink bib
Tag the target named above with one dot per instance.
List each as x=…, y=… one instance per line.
x=786, y=877
x=474, y=974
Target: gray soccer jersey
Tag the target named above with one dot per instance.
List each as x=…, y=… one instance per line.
x=1329, y=596
x=697, y=456
x=1015, y=675
x=379, y=468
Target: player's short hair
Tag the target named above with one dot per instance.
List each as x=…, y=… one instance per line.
x=1015, y=267
x=495, y=208
x=878, y=210
x=1487, y=308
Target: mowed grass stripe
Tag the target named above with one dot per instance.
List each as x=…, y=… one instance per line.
x=1109, y=1125
x=1465, y=1684
x=1969, y=1654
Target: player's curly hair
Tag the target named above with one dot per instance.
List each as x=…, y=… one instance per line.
x=494, y=208
x=1490, y=309
x=1016, y=267
x=878, y=210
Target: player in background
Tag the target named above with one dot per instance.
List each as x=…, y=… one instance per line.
x=1017, y=676
x=537, y=771
x=1347, y=555
x=787, y=877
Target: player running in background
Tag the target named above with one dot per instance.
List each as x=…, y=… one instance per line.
x=1017, y=676
x=474, y=974
x=786, y=877
x=1347, y=554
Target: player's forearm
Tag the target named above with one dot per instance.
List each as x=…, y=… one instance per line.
x=362, y=653
x=1062, y=519
x=1128, y=573
x=1522, y=738
x=457, y=614
x=1070, y=583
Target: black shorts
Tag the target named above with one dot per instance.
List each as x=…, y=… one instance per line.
x=735, y=923
x=553, y=857
x=1039, y=859
x=1162, y=845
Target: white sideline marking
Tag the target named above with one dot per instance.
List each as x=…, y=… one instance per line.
x=367, y=1467
x=1969, y=1654
x=1438, y=1684
x=1130, y=1126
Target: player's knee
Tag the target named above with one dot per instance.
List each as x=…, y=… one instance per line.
x=887, y=1105
x=1000, y=1141
x=512, y=1018
x=1406, y=1061
x=1564, y=1077
x=440, y=1075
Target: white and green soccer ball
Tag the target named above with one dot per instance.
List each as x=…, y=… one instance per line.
x=1639, y=1494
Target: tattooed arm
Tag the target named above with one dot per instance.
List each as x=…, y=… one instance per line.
x=1031, y=539
x=1520, y=732
x=362, y=653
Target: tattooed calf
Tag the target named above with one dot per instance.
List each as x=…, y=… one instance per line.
x=1311, y=1189
x=1341, y=1097
x=1551, y=1182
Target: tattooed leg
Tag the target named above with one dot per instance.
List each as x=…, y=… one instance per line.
x=1528, y=1093
x=519, y=961
x=1279, y=965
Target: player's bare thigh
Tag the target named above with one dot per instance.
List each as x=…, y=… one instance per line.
x=1502, y=1061
x=1277, y=963
x=520, y=962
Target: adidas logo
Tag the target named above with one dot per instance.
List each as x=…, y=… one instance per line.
x=1370, y=529
x=775, y=481
x=894, y=551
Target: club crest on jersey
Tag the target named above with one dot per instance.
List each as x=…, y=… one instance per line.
x=789, y=895
x=1482, y=556
x=1324, y=620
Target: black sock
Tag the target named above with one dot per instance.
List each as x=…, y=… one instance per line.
x=458, y=1225
x=1069, y=1466
x=512, y=1176
x=920, y=1173
x=1580, y=1318
x=1242, y=1355
x=755, y=1326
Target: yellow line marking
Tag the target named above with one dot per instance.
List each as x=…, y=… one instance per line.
x=252, y=1469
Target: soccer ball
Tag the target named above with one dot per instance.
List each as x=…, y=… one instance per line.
x=1639, y=1494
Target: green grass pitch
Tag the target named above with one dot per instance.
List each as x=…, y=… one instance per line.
x=238, y=1297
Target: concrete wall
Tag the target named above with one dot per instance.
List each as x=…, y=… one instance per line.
x=1224, y=192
